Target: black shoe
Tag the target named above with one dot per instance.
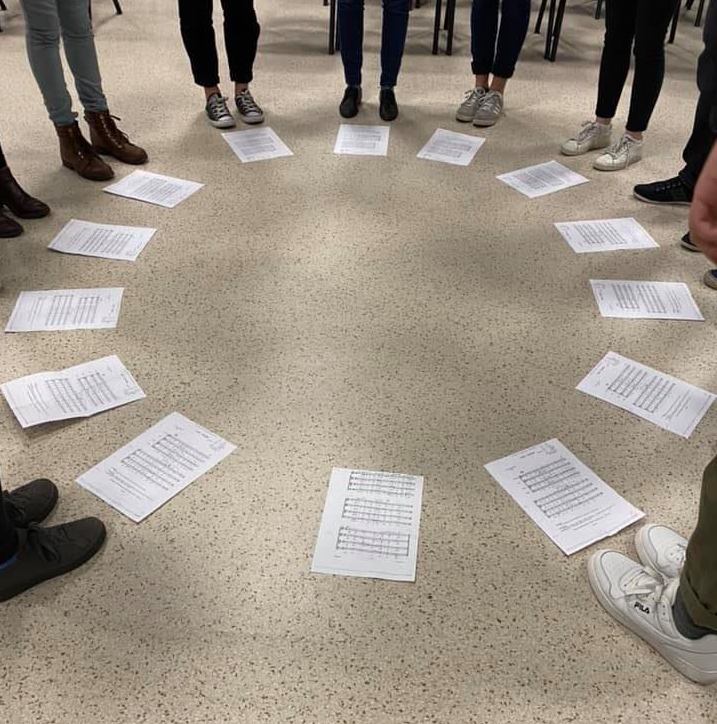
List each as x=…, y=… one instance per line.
x=45, y=553
x=350, y=103
x=687, y=243
x=670, y=191
x=9, y=228
x=31, y=503
x=710, y=279
x=18, y=200
x=388, y=108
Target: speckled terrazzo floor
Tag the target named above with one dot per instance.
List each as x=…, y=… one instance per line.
x=390, y=314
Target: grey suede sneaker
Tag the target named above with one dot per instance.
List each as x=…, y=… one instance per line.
x=490, y=110
x=467, y=110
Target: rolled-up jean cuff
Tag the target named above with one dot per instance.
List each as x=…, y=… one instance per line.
x=699, y=613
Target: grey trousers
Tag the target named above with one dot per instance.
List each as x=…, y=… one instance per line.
x=45, y=21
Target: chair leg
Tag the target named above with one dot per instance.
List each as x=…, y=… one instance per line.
x=451, y=17
x=675, y=20
x=700, y=13
x=557, y=30
x=118, y=7
x=332, y=27
x=598, y=9
x=551, y=28
x=2, y=5
x=541, y=13
x=437, y=26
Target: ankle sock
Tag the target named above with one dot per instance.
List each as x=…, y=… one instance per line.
x=684, y=623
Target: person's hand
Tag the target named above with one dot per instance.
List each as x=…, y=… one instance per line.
x=703, y=212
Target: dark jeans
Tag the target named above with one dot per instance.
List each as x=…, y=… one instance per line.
x=8, y=539
x=643, y=23
x=393, y=39
x=241, y=36
x=496, y=51
x=703, y=132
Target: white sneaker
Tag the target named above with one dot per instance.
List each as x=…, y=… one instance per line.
x=592, y=136
x=661, y=550
x=641, y=602
x=620, y=155
x=467, y=110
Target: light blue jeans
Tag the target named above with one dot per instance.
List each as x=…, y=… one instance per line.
x=45, y=21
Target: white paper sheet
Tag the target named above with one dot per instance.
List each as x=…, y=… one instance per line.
x=105, y=241
x=458, y=149
x=79, y=391
x=645, y=300
x=65, y=309
x=355, y=140
x=147, y=472
x=567, y=500
x=664, y=400
x=543, y=179
x=257, y=144
x=370, y=525
x=153, y=188
x=605, y=235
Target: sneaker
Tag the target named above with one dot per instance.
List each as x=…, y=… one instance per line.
x=670, y=191
x=489, y=110
x=687, y=243
x=249, y=110
x=351, y=102
x=592, y=136
x=710, y=278
x=45, y=553
x=31, y=503
x=640, y=601
x=661, y=550
x=620, y=155
x=218, y=113
x=387, y=106
x=467, y=110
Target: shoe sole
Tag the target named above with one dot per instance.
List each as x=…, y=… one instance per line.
x=251, y=122
x=609, y=169
x=89, y=178
x=484, y=124
x=690, y=247
x=686, y=668
x=660, y=203
x=464, y=119
x=565, y=152
x=12, y=234
x=222, y=124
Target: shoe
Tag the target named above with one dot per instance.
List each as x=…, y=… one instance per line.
x=108, y=139
x=45, y=553
x=670, y=191
x=351, y=102
x=641, y=602
x=592, y=136
x=248, y=108
x=30, y=503
x=17, y=200
x=467, y=110
x=489, y=110
x=218, y=113
x=77, y=154
x=387, y=106
x=687, y=243
x=661, y=550
x=620, y=155
x=710, y=278
x=9, y=228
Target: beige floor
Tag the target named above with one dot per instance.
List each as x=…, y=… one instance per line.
x=391, y=314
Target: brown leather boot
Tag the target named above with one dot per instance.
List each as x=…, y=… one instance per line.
x=17, y=200
x=78, y=155
x=9, y=228
x=108, y=139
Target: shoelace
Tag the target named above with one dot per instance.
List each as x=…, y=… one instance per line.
x=623, y=145
x=473, y=94
x=669, y=185
x=589, y=127
x=218, y=106
x=642, y=584
x=677, y=554
x=247, y=103
x=491, y=102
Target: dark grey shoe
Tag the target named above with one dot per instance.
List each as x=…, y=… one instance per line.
x=31, y=503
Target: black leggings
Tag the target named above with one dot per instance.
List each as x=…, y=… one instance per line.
x=643, y=23
x=8, y=539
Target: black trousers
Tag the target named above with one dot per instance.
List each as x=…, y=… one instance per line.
x=641, y=24
x=3, y=162
x=8, y=539
x=241, y=36
x=703, y=136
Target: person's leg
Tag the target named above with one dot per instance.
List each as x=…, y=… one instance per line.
x=653, y=20
x=515, y=17
x=195, y=24
x=393, y=40
x=350, y=21
x=42, y=25
x=484, y=31
x=241, y=35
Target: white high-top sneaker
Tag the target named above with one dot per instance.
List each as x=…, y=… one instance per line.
x=620, y=155
x=662, y=550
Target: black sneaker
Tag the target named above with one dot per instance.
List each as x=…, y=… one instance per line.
x=350, y=103
x=670, y=191
x=388, y=108
x=31, y=503
x=687, y=243
x=710, y=279
x=249, y=110
x=218, y=113
x=45, y=553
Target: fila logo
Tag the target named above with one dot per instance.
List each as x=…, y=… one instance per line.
x=644, y=609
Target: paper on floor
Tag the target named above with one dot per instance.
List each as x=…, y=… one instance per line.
x=79, y=391
x=257, y=144
x=66, y=309
x=451, y=147
x=605, y=235
x=645, y=300
x=144, y=474
x=358, y=140
x=545, y=178
x=567, y=500
x=370, y=525
x=106, y=241
x=662, y=399
x=153, y=188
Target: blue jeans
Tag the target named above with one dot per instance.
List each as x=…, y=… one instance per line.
x=45, y=20
x=496, y=51
x=393, y=39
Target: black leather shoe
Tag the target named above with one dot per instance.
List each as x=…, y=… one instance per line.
x=18, y=200
x=388, y=108
x=31, y=503
x=350, y=102
x=9, y=228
